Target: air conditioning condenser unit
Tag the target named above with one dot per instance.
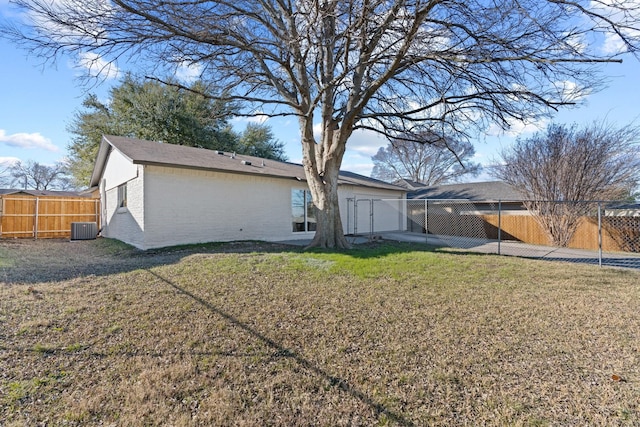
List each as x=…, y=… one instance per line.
x=84, y=230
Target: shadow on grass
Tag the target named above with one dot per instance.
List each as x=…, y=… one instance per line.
x=26, y=261
x=283, y=352
x=40, y=261
x=29, y=262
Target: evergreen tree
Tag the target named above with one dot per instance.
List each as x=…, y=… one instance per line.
x=169, y=113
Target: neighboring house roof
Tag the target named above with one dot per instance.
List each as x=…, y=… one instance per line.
x=43, y=193
x=409, y=185
x=630, y=205
x=145, y=152
x=489, y=191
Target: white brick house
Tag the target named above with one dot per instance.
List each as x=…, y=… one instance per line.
x=155, y=195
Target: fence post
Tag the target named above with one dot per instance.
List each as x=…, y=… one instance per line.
x=499, y=224
x=371, y=220
x=348, y=212
x=404, y=218
x=97, y=211
x=35, y=221
x=599, y=234
x=426, y=221
x=355, y=217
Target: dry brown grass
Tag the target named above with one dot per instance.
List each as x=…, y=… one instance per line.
x=94, y=333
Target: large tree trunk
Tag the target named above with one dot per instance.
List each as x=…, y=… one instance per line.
x=322, y=168
x=329, y=231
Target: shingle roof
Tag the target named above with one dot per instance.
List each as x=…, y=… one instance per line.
x=408, y=184
x=630, y=205
x=489, y=191
x=146, y=152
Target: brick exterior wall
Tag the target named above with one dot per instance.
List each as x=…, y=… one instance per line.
x=169, y=206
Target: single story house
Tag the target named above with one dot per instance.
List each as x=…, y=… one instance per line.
x=623, y=209
x=156, y=195
x=483, y=194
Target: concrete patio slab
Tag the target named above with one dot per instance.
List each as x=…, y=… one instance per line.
x=518, y=249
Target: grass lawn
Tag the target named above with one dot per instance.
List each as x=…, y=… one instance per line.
x=96, y=333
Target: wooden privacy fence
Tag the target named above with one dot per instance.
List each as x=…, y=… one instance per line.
x=42, y=217
x=618, y=233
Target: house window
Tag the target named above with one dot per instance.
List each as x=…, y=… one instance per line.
x=122, y=195
x=303, y=215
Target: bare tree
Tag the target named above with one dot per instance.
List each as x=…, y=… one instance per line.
x=35, y=176
x=562, y=171
x=434, y=160
x=393, y=67
x=4, y=175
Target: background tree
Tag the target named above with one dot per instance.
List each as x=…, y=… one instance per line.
x=36, y=176
x=148, y=109
x=433, y=161
x=87, y=129
x=258, y=140
x=393, y=67
x=4, y=175
x=559, y=170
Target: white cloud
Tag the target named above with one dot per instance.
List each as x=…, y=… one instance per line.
x=84, y=28
x=188, y=72
x=517, y=128
x=613, y=44
x=577, y=43
x=366, y=142
x=317, y=130
x=361, y=146
x=27, y=141
x=98, y=66
x=258, y=118
x=353, y=166
x=570, y=91
x=627, y=20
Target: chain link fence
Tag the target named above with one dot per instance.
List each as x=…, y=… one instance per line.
x=606, y=233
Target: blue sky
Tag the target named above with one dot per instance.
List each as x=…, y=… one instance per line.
x=37, y=103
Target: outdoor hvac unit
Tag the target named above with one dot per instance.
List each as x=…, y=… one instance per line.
x=84, y=230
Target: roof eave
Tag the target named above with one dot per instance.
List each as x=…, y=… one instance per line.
x=99, y=164
x=214, y=169
x=107, y=145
